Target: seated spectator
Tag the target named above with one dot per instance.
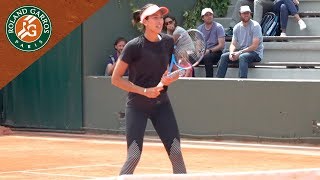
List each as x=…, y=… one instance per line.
x=118, y=46
x=215, y=38
x=260, y=7
x=246, y=45
x=235, y=18
x=171, y=27
x=284, y=8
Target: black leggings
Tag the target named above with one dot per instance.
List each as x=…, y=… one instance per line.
x=164, y=122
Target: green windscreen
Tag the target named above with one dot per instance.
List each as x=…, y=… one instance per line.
x=48, y=94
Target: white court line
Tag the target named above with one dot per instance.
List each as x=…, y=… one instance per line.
x=273, y=171
x=60, y=175
x=313, y=173
x=89, y=138
x=84, y=166
x=298, y=150
x=122, y=138
x=165, y=169
x=57, y=168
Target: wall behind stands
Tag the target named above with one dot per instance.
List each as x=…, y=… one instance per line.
x=245, y=108
x=278, y=109
x=48, y=94
x=114, y=20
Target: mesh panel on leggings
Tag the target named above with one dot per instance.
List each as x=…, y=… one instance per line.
x=176, y=158
x=133, y=158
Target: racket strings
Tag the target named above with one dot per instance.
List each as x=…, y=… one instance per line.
x=190, y=47
x=189, y=51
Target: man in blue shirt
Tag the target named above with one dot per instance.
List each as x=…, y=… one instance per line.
x=215, y=37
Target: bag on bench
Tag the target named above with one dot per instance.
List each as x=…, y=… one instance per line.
x=270, y=24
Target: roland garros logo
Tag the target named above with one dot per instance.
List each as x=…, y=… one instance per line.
x=28, y=28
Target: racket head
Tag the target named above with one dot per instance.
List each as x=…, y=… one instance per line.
x=190, y=47
x=189, y=51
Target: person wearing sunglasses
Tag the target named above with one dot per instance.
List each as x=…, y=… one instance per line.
x=170, y=26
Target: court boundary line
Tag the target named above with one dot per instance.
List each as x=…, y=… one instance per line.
x=248, y=173
x=215, y=146
x=58, y=174
x=83, y=166
x=33, y=171
x=147, y=138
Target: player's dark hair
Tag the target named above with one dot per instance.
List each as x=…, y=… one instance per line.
x=136, y=16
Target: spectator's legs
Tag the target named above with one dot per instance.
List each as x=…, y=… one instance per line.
x=209, y=60
x=293, y=10
x=244, y=60
x=223, y=65
x=260, y=8
x=283, y=17
x=290, y=8
x=282, y=11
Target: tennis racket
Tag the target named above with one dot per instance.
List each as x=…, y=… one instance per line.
x=189, y=50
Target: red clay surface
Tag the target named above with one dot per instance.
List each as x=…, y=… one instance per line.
x=26, y=155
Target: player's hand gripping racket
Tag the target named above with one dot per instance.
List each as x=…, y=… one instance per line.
x=189, y=50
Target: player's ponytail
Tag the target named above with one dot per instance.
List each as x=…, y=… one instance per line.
x=136, y=17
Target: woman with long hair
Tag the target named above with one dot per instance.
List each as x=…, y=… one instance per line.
x=147, y=58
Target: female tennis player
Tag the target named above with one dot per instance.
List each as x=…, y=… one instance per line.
x=147, y=58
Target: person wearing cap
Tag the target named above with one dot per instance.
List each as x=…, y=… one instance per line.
x=215, y=38
x=246, y=45
x=147, y=58
x=235, y=18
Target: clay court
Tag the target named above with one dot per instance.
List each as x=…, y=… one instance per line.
x=38, y=155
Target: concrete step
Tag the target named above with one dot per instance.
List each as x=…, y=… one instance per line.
x=313, y=28
x=305, y=5
x=290, y=51
x=224, y=21
x=268, y=73
x=309, y=5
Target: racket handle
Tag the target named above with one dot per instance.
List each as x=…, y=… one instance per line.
x=160, y=84
x=180, y=72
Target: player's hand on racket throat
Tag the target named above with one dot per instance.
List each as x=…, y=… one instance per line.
x=167, y=80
